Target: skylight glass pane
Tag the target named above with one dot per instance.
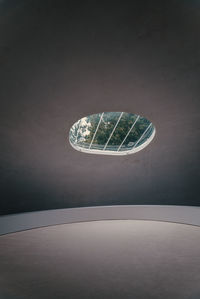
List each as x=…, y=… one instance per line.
x=111, y=133
x=137, y=131
x=146, y=135
x=124, y=125
x=106, y=127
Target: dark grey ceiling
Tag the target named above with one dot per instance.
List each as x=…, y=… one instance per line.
x=62, y=60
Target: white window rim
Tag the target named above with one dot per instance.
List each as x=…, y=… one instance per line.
x=115, y=153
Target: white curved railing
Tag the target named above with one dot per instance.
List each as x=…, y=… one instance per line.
x=24, y=221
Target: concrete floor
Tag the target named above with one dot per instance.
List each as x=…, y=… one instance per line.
x=102, y=259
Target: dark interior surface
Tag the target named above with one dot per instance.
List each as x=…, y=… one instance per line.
x=63, y=60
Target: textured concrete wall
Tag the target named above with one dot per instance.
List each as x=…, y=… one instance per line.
x=61, y=61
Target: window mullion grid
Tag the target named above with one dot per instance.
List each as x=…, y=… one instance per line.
x=128, y=133
x=96, y=130
x=142, y=135
x=112, y=131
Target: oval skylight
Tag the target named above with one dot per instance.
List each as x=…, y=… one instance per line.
x=111, y=133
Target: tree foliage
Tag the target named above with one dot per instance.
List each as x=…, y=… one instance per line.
x=85, y=133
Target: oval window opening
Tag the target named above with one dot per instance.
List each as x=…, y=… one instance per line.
x=111, y=133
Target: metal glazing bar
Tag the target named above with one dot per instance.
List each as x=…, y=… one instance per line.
x=128, y=133
x=96, y=130
x=113, y=131
x=142, y=135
